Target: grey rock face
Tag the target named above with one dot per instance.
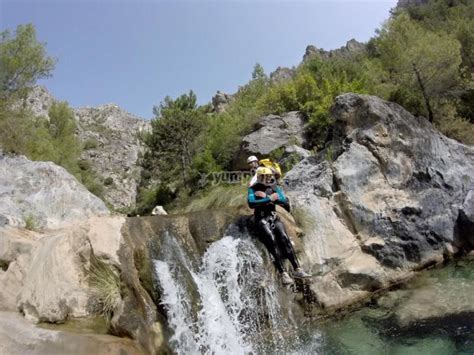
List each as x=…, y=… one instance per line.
x=310, y=51
x=465, y=220
x=351, y=49
x=39, y=101
x=282, y=74
x=426, y=174
x=271, y=133
x=220, y=101
x=388, y=191
x=110, y=135
x=115, y=150
x=43, y=193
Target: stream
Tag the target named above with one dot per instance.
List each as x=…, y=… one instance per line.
x=228, y=302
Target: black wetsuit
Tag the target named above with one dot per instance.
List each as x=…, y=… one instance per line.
x=270, y=229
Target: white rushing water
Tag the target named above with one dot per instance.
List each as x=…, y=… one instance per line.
x=226, y=305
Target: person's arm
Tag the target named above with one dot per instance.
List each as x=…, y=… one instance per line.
x=253, y=180
x=252, y=199
x=282, y=199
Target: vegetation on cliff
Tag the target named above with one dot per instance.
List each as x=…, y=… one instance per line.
x=422, y=58
x=23, y=61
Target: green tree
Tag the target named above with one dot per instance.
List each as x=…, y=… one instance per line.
x=419, y=61
x=312, y=92
x=258, y=72
x=172, y=142
x=224, y=131
x=62, y=127
x=23, y=60
x=17, y=130
x=454, y=18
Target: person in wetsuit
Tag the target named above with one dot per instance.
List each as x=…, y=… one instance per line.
x=254, y=164
x=263, y=197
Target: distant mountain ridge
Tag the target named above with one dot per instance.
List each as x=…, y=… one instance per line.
x=351, y=48
x=282, y=74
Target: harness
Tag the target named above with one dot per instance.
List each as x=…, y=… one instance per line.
x=269, y=217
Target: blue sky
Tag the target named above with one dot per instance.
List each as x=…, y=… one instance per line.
x=134, y=53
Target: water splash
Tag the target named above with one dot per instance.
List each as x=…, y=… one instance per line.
x=227, y=305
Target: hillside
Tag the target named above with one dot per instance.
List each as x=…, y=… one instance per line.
x=110, y=137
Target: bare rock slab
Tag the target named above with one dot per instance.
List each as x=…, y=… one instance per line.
x=20, y=337
x=43, y=195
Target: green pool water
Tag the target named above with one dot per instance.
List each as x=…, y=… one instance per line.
x=431, y=314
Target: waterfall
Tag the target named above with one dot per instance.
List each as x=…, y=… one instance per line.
x=228, y=303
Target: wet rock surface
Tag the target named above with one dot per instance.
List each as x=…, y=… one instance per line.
x=18, y=336
x=45, y=275
x=436, y=296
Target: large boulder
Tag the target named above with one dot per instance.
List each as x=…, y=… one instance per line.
x=16, y=246
x=52, y=272
x=274, y=136
x=55, y=283
x=383, y=199
x=42, y=195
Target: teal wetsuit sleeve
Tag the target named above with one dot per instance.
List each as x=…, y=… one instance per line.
x=282, y=199
x=281, y=196
x=252, y=200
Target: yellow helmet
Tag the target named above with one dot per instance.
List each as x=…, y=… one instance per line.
x=264, y=171
x=272, y=165
x=265, y=176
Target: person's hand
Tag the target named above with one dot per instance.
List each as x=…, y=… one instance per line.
x=274, y=197
x=260, y=194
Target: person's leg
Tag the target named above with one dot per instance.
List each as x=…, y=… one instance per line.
x=267, y=237
x=284, y=244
